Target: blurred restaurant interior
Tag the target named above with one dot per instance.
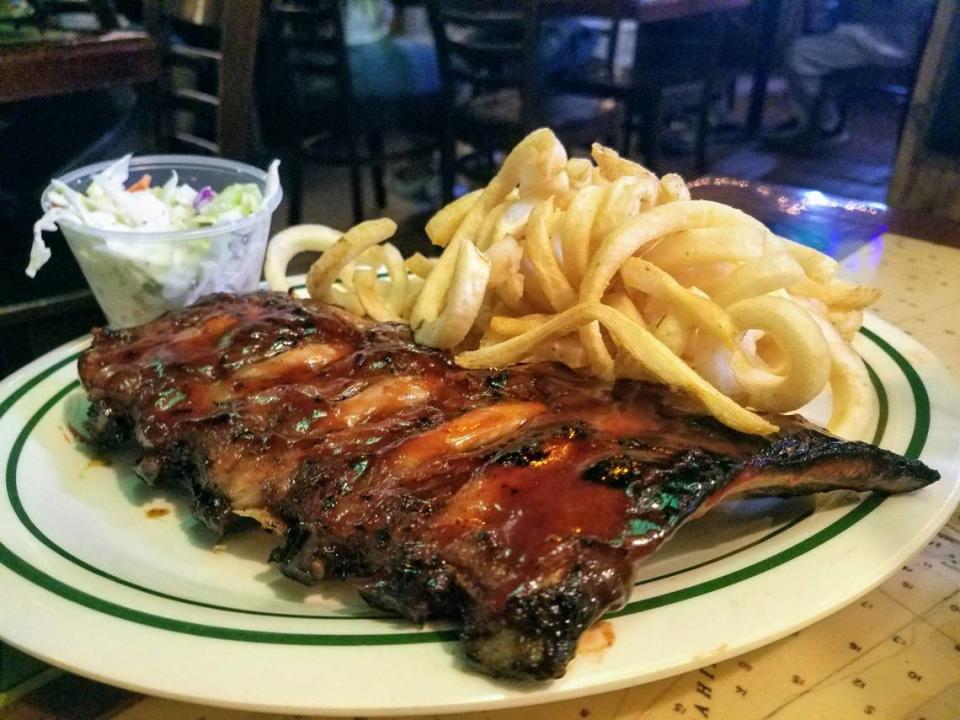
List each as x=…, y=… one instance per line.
x=386, y=108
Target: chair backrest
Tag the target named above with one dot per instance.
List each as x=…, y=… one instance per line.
x=206, y=95
x=684, y=48
x=306, y=44
x=485, y=46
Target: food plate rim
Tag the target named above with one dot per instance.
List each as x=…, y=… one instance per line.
x=51, y=584
x=21, y=383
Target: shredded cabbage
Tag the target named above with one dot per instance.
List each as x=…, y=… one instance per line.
x=108, y=204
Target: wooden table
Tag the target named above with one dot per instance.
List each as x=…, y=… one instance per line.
x=854, y=663
x=86, y=62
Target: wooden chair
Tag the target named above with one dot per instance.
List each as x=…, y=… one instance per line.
x=674, y=72
x=760, y=24
x=674, y=69
x=205, y=101
x=493, y=92
x=315, y=113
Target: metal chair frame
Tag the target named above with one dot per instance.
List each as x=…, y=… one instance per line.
x=307, y=37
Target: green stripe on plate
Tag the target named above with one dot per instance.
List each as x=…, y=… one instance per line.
x=13, y=493
x=921, y=423
x=13, y=397
x=759, y=541
x=37, y=577
x=28, y=572
x=883, y=404
x=25, y=519
x=801, y=548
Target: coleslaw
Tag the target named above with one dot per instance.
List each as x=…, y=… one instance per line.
x=147, y=248
x=109, y=204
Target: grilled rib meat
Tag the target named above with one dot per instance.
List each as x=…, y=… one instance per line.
x=516, y=502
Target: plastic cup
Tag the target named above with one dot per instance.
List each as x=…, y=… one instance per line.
x=137, y=276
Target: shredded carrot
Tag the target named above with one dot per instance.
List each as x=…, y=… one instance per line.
x=142, y=184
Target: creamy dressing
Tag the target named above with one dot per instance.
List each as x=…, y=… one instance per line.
x=137, y=278
x=137, y=282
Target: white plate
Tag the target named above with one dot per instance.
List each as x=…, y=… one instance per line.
x=89, y=582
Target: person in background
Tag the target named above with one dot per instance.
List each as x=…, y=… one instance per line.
x=885, y=33
x=385, y=66
x=398, y=68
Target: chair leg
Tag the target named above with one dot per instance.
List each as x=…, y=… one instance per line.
x=710, y=81
x=649, y=147
x=843, y=106
x=295, y=179
x=448, y=165
x=356, y=190
x=703, y=127
x=375, y=143
x=150, y=102
x=356, y=177
x=730, y=92
x=816, y=111
x=626, y=137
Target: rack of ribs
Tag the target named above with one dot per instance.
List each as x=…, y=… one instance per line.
x=515, y=502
